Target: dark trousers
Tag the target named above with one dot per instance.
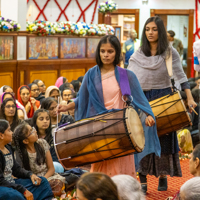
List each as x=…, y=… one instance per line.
x=41, y=192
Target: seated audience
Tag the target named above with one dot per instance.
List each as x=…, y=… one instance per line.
x=33, y=154
x=190, y=189
x=30, y=104
x=9, y=112
x=54, y=92
x=61, y=80
x=41, y=86
x=197, y=81
x=51, y=104
x=26, y=185
x=194, y=163
x=8, y=89
x=42, y=122
x=99, y=186
x=35, y=92
x=128, y=188
x=195, y=117
x=66, y=85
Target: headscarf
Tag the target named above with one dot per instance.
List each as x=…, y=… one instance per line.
x=49, y=89
x=1, y=90
x=59, y=81
x=37, y=103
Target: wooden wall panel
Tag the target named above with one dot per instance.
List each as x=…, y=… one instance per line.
x=6, y=78
x=21, y=78
x=72, y=74
x=48, y=76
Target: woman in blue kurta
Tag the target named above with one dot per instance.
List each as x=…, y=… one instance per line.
x=90, y=99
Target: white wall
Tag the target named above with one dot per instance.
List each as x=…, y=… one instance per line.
x=52, y=11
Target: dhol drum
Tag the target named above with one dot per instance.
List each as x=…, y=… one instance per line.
x=170, y=112
x=99, y=138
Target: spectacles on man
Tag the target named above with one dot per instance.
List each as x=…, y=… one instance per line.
x=33, y=130
x=10, y=106
x=41, y=85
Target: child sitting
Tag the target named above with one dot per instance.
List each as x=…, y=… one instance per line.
x=33, y=154
x=28, y=186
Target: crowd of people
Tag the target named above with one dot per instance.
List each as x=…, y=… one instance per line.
x=29, y=166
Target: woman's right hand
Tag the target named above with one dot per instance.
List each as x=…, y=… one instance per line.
x=28, y=195
x=61, y=108
x=28, y=107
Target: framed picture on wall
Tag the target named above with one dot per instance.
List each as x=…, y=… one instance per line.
x=118, y=32
x=72, y=48
x=6, y=47
x=91, y=47
x=43, y=48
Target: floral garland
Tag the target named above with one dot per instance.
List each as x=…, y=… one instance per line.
x=44, y=28
x=107, y=6
x=8, y=25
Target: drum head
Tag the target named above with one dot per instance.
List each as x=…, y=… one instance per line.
x=135, y=129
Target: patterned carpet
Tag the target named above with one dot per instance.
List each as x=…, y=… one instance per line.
x=174, y=184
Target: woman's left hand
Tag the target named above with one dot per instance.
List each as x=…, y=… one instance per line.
x=35, y=179
x=191, y=104
x=149, y=121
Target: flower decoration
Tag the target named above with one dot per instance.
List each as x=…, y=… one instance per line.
x=107, y=6
x=44, y=28
x=8, y=25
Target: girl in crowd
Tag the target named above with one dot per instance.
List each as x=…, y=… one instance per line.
x=27, y=185
x=42, y=122
x=41, y=86
x=96, y=97
x=51, y=104
x=29, y=103
x=7, y=89
x=61, y=80
x=33, y=154
x=96, y=185
x=54, y=92
x=149, y=65
x=35, y=92
x=9, y=112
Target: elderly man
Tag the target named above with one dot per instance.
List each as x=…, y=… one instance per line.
x=176, y=43
x=129, y=47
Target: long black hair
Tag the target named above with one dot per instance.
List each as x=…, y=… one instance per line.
x=3, y=125
x=163, y=44
x=19, y=135
x=15, y=117
x=48, y=136
x=113, y=40
x=76, y=84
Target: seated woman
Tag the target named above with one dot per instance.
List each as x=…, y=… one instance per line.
x=41, y=86
x=190, y=189
x=61, y=80
x=42, y=122
x=51, y=104
x=33, y=154
x=128, y=188
x=35, y=92
x=99, y=186
x=9, y=112
x=24, y=97
x=7, y=89
x=54, y=92
x=76, y=84
x=27, y=185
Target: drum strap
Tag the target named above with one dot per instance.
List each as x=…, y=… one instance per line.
x=124, y=83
